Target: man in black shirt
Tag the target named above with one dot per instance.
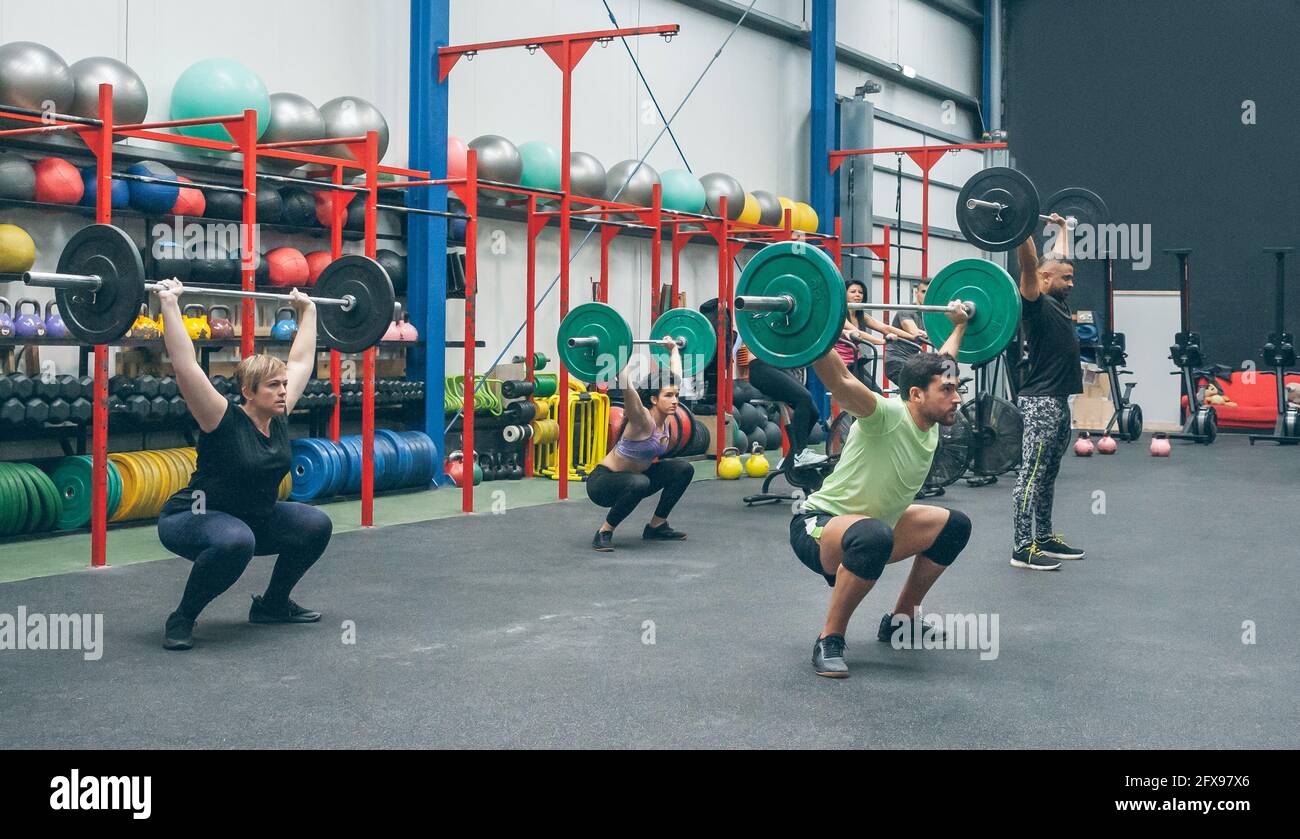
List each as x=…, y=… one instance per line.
x=1053, y=375
x=910, y=321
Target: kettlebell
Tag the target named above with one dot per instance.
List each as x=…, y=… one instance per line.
x=516, y=468
x=196, y=326
x=756, y=466
x=285, y=328
x=394, y=331
x=6, y=319
x=1083, y=446
x=29, y=325
x=1160, y=444
x=407, y=329
x=455, y=467
x=729, y=465
x=478, y=470
x=1106, y=445
x=54, y=327
x=144, y=327
x=221, y=326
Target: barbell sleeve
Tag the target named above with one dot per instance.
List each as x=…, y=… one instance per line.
x=760, y=303
x=965, y=304
x=590, y=341
x=50, y=279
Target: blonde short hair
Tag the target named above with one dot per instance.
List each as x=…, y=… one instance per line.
x=256, y=369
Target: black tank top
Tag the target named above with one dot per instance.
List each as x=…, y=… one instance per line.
x=239, y=468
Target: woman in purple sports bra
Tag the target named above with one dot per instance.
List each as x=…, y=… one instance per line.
x=632, y=472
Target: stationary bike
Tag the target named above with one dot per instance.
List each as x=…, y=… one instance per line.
x=1279, y=353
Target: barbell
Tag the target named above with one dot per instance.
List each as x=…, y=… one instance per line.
x=791, y=306
x=998, y=208
x=100, y=286
x=595, y=341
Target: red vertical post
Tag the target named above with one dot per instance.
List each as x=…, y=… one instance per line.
x=677, y=244
x=103, y=140
x=336, y=359
x=722, y=399
x=606, y=236
x=247, y=141
x=566, y=113
x=470, y=199
x=885, y=376
x=529, y=320
x=925, y=225
x=656, y=244
x=370, y=159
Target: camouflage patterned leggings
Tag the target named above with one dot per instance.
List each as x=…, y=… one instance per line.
x=1047, y=436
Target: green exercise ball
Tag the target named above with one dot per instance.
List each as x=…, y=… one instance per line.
x=682, y=191
x=216, y=87
x=541, y=165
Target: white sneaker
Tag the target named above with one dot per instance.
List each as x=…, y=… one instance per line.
x=807, y=458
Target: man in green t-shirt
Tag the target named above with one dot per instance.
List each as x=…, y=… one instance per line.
x=863, y=516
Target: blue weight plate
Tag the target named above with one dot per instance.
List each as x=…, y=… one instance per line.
x=352, y=448
x=338, y=462
x=418, y=457
x=309, y=470
x=395, y=457
x=385, y=463
x=332, y=465
x=425, y=453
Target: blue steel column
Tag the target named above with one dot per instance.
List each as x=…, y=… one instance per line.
x=426, y=236
x=821, y=187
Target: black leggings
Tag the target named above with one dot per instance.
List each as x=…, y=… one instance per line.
x=782, y=386
x=221, y=546
x=622, y=491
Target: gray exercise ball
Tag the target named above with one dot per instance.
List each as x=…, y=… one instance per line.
x=17, y=177
x=130, y=97
x=586, y=175
x=498, y=160
x=293, y=117
x=769, y=209
x=638, y=190
x=719, y=184
x=31, y=75
x=351, y=116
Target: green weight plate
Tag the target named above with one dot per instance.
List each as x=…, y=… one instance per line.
x=994, y=230
x=71, y=477
x=363, y=325
x=603, y=361
x=8, y=501
x=997, y=308
x=809, y=331
x=701, y=339
x=114, y=487
x=105, y=315
x=15, y=501
x=35, y=511
x=51, y=508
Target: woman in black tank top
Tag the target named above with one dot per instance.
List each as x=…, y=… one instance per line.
x=229, y=512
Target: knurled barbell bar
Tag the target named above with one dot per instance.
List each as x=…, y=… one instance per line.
x=100, y=286
x=791, y=306
x=595, y=341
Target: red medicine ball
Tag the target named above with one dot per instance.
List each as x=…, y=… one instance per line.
x=316, y=262
x=288, y=267
x=325, y=201
x=189, y=202
x=58, y=181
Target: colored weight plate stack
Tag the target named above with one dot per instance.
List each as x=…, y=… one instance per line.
x=72, y=477
x=322, y=468
x=546, y=384
x=29, y=500
x=149, y=478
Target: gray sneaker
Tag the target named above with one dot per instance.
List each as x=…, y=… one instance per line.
x=828, y=657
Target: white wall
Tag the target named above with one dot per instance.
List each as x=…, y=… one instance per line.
x=748, y=116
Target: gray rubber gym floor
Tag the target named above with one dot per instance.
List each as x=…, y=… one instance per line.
x=507, y=630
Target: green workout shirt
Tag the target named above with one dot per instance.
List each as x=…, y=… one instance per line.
x=883, y=465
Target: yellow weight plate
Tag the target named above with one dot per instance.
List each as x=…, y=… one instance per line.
x=130, y=485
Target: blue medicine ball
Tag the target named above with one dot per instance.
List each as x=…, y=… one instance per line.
x=153, y=197
x=121, y=193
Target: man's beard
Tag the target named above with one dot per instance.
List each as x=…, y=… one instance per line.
x=1063, y=294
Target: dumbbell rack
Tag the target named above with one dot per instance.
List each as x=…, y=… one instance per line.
x=99, y=136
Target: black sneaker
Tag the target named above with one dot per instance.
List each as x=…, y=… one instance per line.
x=288, y=612
x=828, y=657
x=1029, y=556
x=603, y=540
x=663, y=531
x=1056, y=548
x=178, y=634
x=887, y=629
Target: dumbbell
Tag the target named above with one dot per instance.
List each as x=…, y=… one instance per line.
x=60, y=410
x=222, y=384
x=158, y=409
x=31, y=411
x=80, y=411
x=167, y=387
x=134, y=407
x=22, y=387
x=176, y=407
x=146, y=385
x=122, y=386
x=46, y=387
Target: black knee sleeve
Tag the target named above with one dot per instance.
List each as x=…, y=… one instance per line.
x=867, y=545
x=951, y=540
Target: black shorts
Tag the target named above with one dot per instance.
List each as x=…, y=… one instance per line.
x=805, y=546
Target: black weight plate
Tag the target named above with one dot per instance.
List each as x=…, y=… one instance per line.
x=105, y=315
x=994, y=230
x=362, y=326
x=1084, y=205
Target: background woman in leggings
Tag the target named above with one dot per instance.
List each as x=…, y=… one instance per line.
x=229, y=512
x=632, y=471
